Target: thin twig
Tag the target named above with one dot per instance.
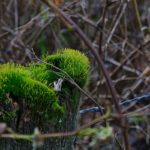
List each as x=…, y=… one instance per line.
x=135, y=100
x=120, y=14
x=54, y=135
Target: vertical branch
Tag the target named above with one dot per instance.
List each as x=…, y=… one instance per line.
x=137, y=14
x=102, y=27
x=118, y=18
x=16, y=14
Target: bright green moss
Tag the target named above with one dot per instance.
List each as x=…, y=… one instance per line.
x=39, y=99
x=72, y=63
x=39, y=72
x=34, y=85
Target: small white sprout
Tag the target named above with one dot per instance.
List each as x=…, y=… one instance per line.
x=58, y=85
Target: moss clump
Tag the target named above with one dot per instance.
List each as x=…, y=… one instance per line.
x=71, y=63
x=39, y=99
x=39, y=72
x=32, y=85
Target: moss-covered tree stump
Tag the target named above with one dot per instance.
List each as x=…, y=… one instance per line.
x=29, y=99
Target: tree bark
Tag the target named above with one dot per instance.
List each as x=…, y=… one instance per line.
x=68, y=123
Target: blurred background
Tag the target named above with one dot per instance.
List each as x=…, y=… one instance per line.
x=118, y=29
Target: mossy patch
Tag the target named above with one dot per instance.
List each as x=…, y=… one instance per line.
x=34, y=85
x=71, y=63
x=39, y=99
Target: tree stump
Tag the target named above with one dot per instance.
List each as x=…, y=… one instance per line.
x=29, y=100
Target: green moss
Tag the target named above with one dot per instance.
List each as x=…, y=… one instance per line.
x=39, y=99
x=72, y=64
x=32, y=85
x=39, y=72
